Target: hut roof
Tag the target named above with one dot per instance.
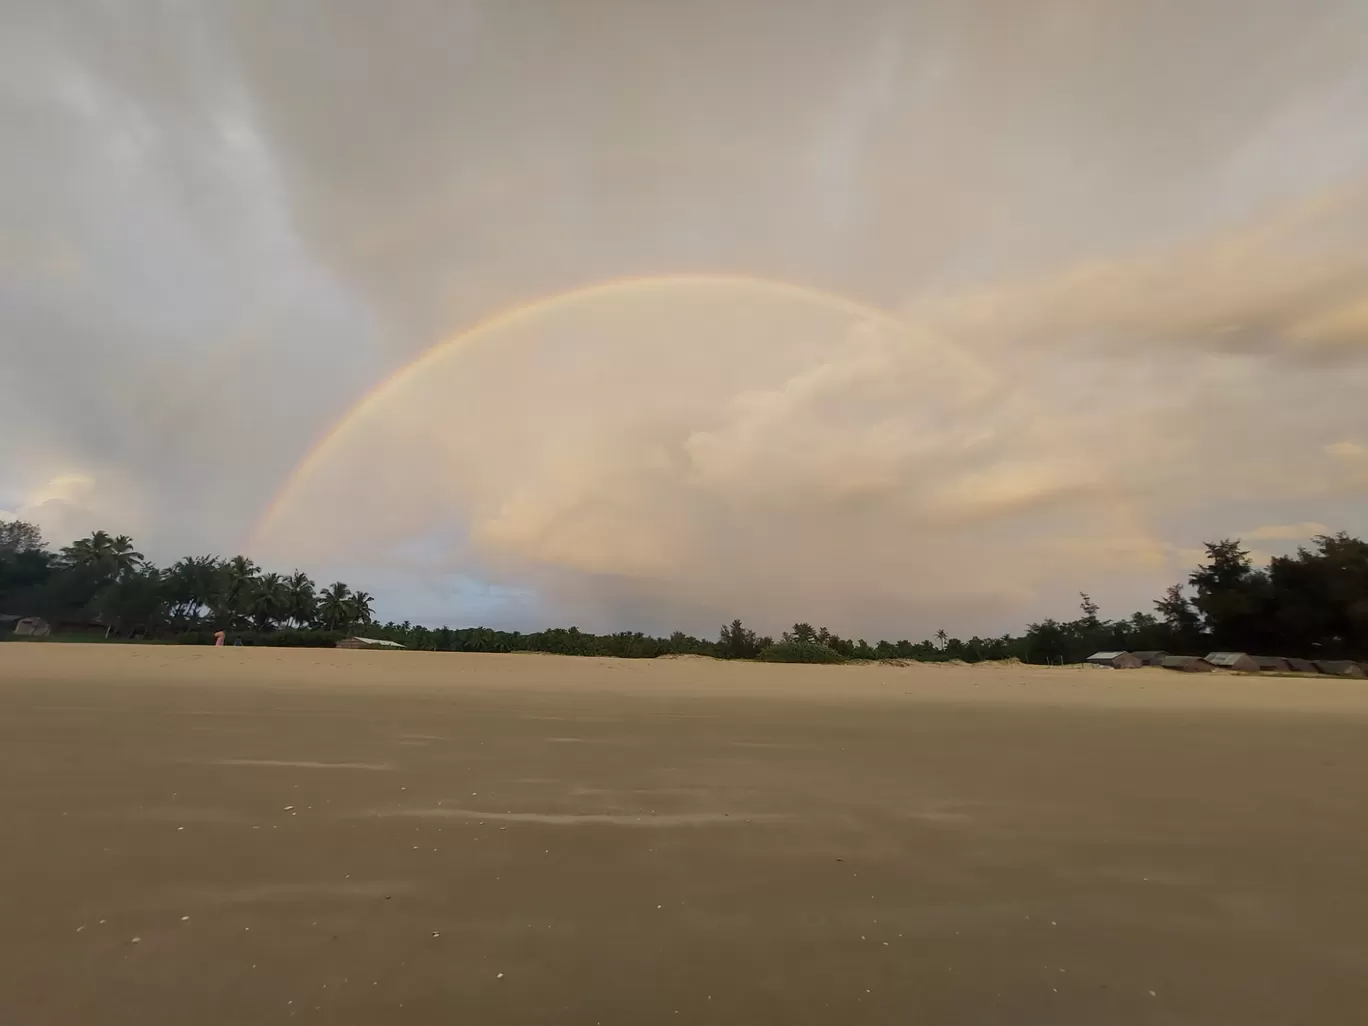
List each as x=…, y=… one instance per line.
x=1339, y=667
x=1185, y=662
x=1227, y=659
x=1105, y=656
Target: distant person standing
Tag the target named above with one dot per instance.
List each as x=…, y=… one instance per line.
x=218, y=639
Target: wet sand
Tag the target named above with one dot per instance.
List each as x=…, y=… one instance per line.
x=256, y=836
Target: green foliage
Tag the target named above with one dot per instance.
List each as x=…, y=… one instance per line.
x=795, y=651
x=736, y=641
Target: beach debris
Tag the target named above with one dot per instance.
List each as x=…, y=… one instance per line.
x=288, y=808
x=499, y=976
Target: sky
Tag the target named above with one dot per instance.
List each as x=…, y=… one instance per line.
x=888, y=316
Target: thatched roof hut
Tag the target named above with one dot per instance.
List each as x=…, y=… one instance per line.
x=1339, y=667
x=1114, y=660
x=1301, y=665
x=1187, y=664
x=1233, y=661
x=1150, y=658
x=1271, y=664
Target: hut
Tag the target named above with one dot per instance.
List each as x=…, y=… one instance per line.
x=1301, y=665
x=367, y=643
x=1186, y=664
x=1339, y=667
x=1150, y=658
x=1114, y=660
x=1271, y=664
x=1233, y=661
x=32, y=627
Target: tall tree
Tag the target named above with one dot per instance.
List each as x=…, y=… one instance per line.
x=334, y=607
x=239, y=577
x=269, y=601
x=360, y=608
x=89, y=553
x=1232, y=596
x=193, y=585
x=20, y=536
x=303, y=599
x=738, y=642
x=123, y=558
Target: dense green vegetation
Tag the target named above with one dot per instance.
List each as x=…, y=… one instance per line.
x=1313, y=604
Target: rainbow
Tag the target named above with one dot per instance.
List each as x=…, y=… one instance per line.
x=393, y=385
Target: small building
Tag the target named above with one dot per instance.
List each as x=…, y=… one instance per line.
x=1150, y=658
x=367, y=643
x=1339, y=667
x=1271, y=664
x=1233, y=661
x=1186, y=664
x=32, y=627
x=1114, y=660
x=1300, y=665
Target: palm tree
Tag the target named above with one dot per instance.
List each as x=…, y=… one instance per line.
x=239, y=578
x=335, y=608
x=89, y=552
x=192, y=585
x=942, y=637
x=302, y=607
x=269, y=601
x=361, y=607
x=123, y=558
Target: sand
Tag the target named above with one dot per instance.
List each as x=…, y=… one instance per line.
x=247, y=835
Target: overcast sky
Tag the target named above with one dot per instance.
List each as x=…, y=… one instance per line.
x=925, y=315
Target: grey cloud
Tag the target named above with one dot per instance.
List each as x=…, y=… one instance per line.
x=1129, y=278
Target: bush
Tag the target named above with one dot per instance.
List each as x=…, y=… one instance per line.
x=799, y=652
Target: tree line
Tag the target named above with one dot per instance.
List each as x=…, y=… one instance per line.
x=1313, y=604
x=103, y=581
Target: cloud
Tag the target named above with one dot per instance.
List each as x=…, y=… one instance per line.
x=1130, y=307
x=1346, y=450
x=1286, y=532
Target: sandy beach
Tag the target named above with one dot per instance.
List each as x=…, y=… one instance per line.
x=268, y=835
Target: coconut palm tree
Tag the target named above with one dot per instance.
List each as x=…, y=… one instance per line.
x=361, y=611
x=123, y=559
x=942, y=637
x=335, y=610
x=269, y=601
x=302, y=607
x=88, y=553
x=192, y=586
x=238, y=581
